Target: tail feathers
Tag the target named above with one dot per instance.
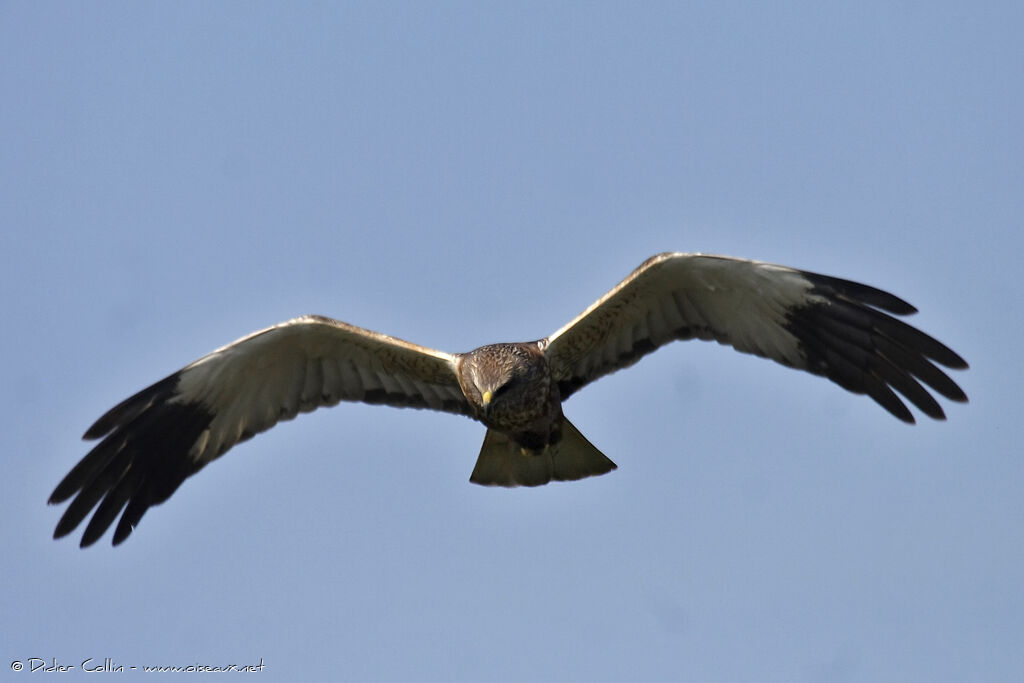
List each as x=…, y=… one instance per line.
x=502, y=462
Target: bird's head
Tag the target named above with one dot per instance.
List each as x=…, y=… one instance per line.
x=507, y=383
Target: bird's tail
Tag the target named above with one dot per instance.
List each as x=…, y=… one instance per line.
x=502, y=462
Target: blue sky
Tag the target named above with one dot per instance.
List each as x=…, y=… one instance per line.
x=177, y=175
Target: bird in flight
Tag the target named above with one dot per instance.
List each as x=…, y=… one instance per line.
x=151, y=442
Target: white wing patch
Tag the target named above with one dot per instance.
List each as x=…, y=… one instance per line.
x=306, y=363
x=684, y=296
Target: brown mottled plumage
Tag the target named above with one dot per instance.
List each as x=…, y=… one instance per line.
x=528, y=441
x=151, y=442
x=510, y=389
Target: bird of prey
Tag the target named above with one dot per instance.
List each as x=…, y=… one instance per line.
x=842, y=330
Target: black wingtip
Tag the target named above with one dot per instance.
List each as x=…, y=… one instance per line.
x=850, y=339
x=97, y=430
x=865, y=294
x=895, y=406
x=954, y=361
x=140, y=463
x=133, y=406
x=93, y=533
x=65, y=526
x=120, y=535
x=65, y=489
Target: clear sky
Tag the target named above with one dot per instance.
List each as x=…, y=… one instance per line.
x=176, y=175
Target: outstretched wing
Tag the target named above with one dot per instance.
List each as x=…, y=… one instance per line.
x=156, y=439
x=824, y=325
